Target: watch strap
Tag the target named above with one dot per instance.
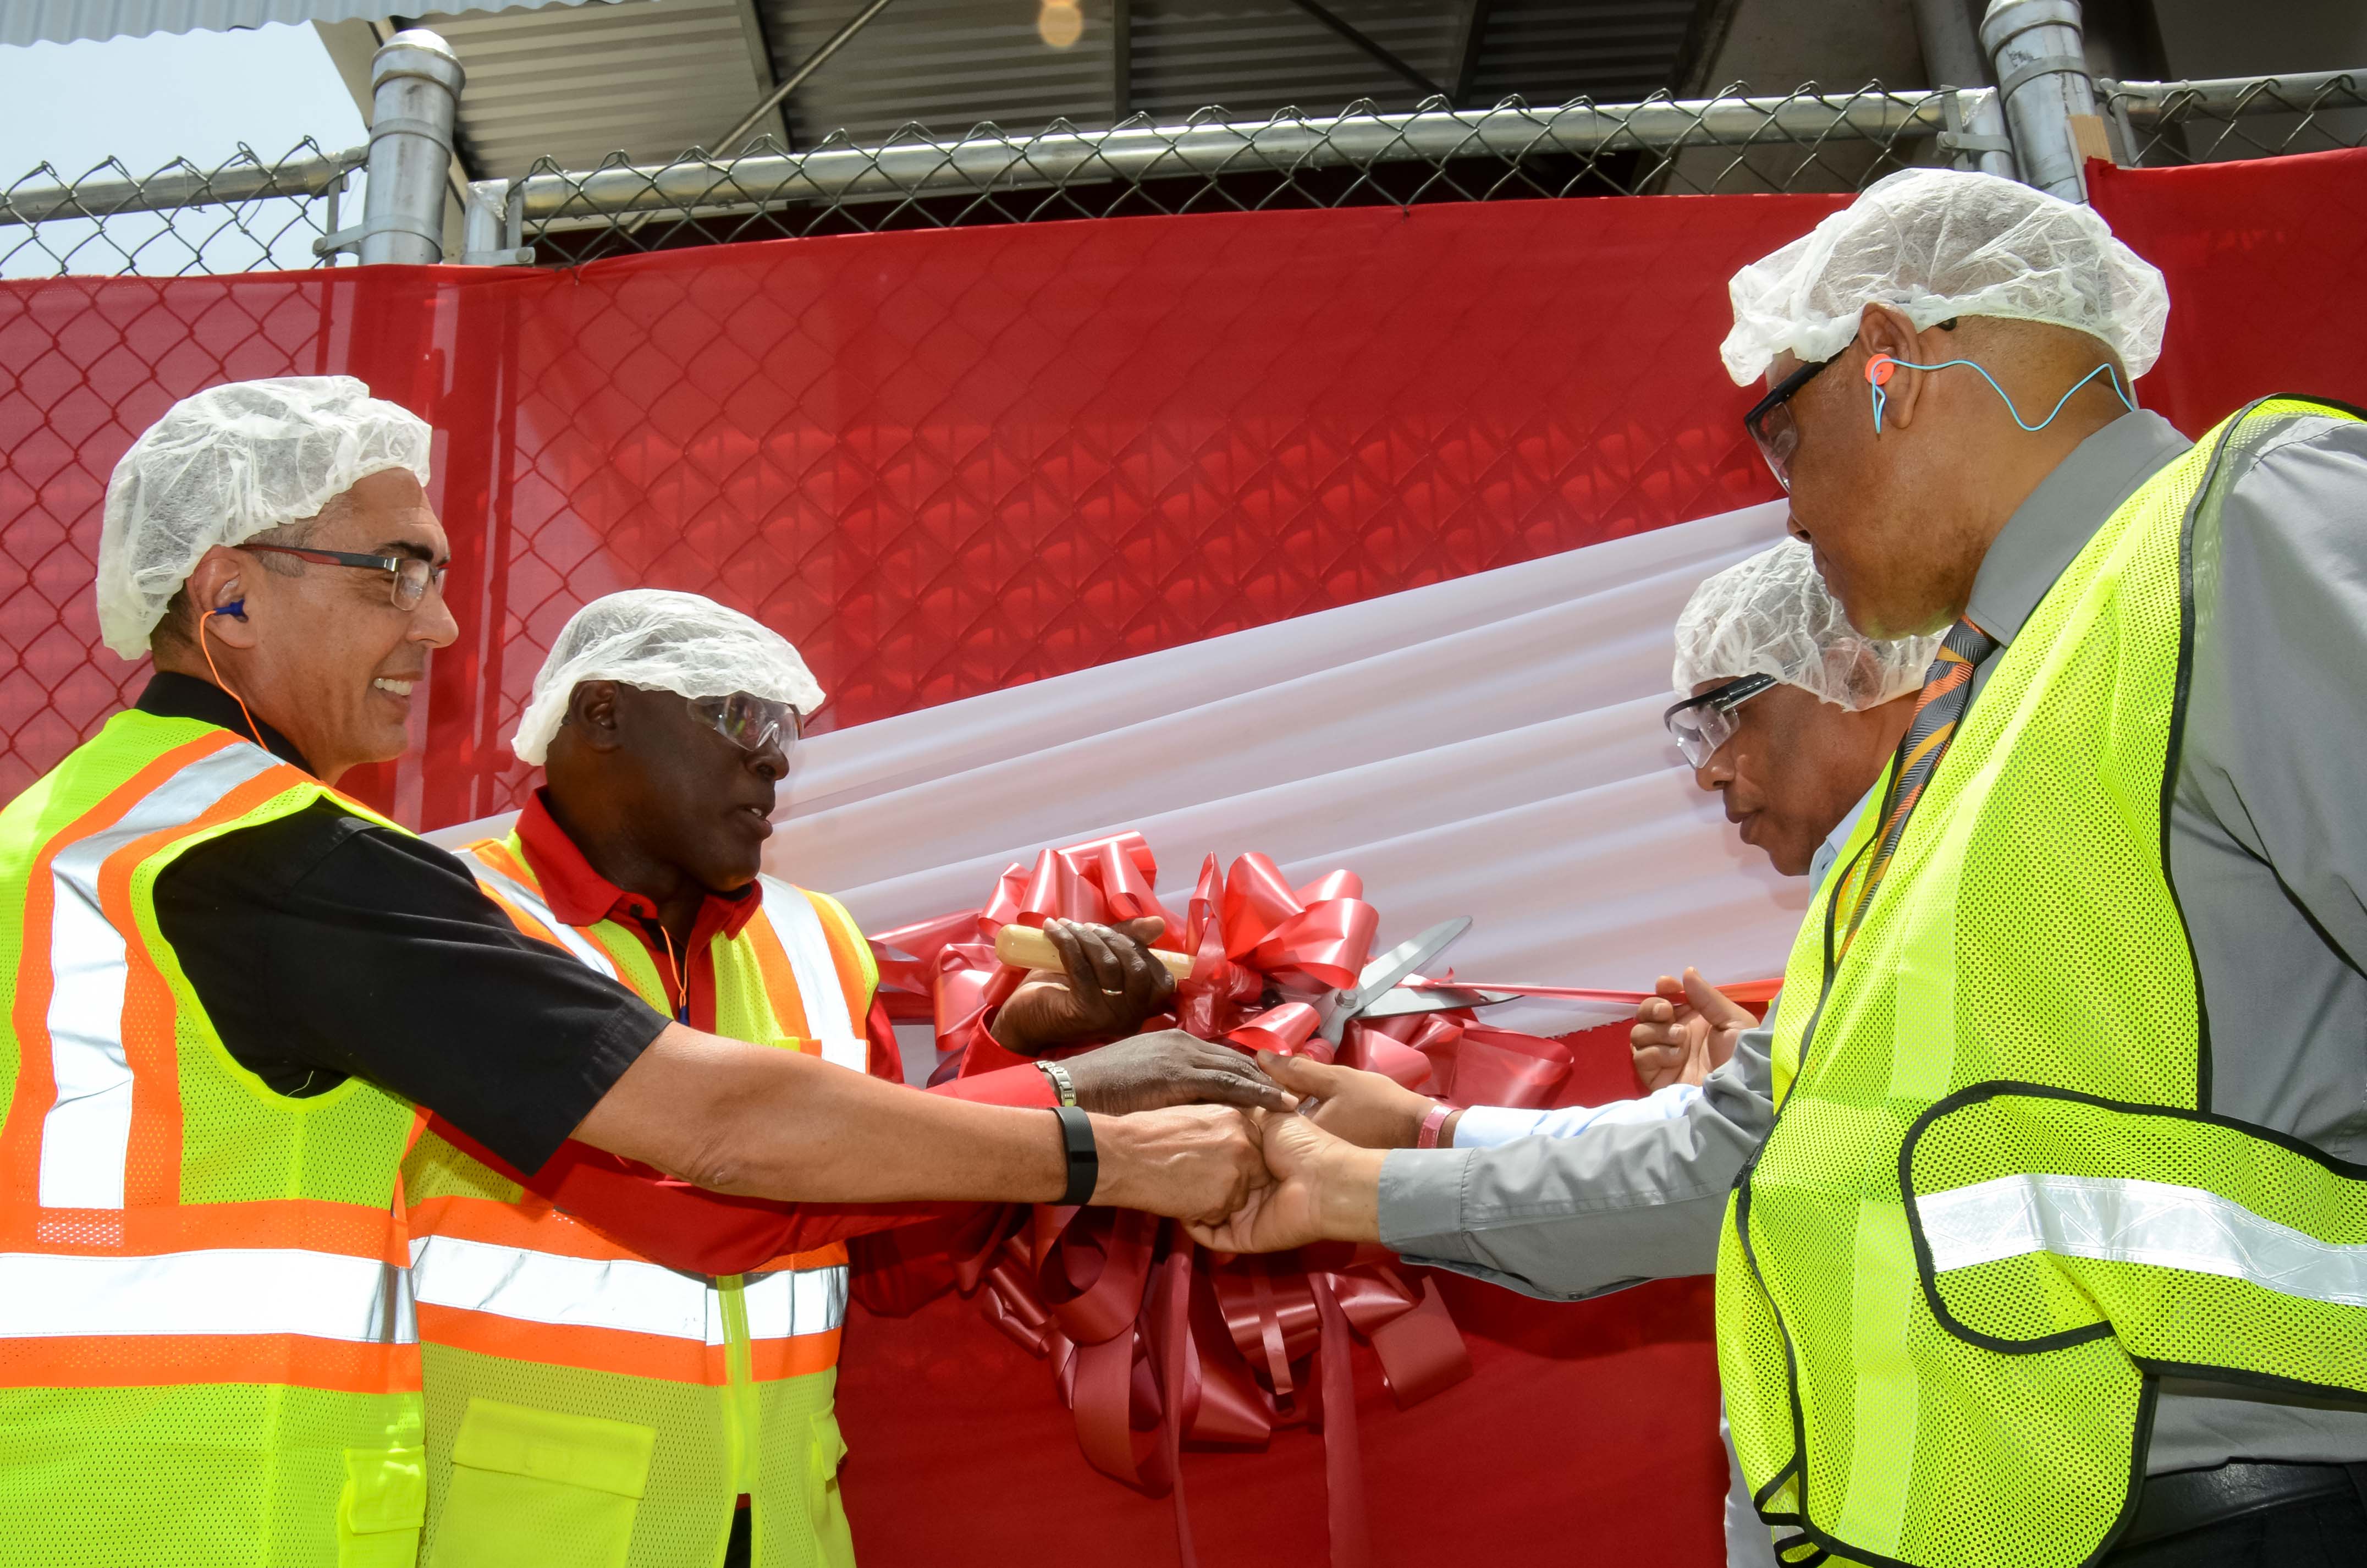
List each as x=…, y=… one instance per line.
x=1064, y=1088
x=1084, y=1162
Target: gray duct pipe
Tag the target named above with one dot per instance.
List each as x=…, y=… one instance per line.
x=2042, y=76
x=416, y=88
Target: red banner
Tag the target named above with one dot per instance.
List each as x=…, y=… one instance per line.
x=941, y=462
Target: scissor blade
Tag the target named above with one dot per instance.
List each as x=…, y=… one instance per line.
x=1404, y=958
x=1398, y=1004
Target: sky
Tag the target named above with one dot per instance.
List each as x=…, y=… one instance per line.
x=147, y=101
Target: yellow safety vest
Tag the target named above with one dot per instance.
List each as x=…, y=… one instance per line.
x=588, y=1405
x=207, y=1347
x=1995, y=1205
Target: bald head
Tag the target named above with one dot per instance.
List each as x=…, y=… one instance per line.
x=1901, y=517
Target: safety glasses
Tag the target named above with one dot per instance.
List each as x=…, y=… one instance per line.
x=752, y=723
x=1702, y=724
x=1772, y=425
x=412, y=576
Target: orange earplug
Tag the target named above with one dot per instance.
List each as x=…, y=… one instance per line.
x=1878, y=370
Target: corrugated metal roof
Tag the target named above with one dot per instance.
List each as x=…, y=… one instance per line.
x=71, y=21
x=650, y=78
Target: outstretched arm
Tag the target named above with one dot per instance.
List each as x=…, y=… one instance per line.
x=745, y=1118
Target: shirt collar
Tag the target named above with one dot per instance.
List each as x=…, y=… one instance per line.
x=2056, y=521
x=171, y=695
x=580, y=896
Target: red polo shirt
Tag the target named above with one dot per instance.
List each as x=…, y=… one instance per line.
x=677, y=1224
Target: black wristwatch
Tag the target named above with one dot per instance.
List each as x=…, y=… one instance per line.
x=1085, y=1165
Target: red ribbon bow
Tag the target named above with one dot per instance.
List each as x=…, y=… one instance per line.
x=1153, y=1343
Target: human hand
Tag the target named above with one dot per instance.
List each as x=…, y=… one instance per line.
x=1112, y=983
x=1190, y=1163
x=1319, y=1188
x=1685, y=1032
x=1371, y=1110
x=1168, y=1068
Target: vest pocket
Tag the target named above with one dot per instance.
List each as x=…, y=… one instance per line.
x=539, y=1486
x=384, y=1505
x=824, y=1513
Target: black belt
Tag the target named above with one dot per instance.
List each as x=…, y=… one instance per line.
x=2188, y=1499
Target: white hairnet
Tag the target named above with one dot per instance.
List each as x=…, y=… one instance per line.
x=1771, y=616
x=661, y=641
x=226, y=464
x=1942, y=243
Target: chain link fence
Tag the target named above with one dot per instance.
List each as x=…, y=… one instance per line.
x=2159, y=124
x=250, y=214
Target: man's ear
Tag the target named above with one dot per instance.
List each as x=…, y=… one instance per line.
x=1886, y=336
x=217, y=599
x=594, y=712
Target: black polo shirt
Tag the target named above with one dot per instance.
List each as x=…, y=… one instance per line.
x=324, y=947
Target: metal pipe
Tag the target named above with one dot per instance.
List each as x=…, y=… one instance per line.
x=2042, y=73
x=731, y=139
x=414, y=90
x=302, y=178
x=1135, y=153
x=486, y=240
x=2230, y=95
x=1952, y=49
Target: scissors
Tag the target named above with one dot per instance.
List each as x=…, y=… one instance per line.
x=1376, y=993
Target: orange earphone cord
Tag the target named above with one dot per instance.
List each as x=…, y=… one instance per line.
x=204, y=623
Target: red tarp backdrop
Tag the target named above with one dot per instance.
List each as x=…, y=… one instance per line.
x=946, y=463
x=942, y=463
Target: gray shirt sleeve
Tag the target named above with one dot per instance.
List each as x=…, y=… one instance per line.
x=1612, y=1206
x=2269, y=848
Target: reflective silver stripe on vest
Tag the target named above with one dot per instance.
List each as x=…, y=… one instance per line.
x=639, y=1297
x=230, y=1291
x=86, y=1132
x=799, y=925
x=796, y=1301
x=528, y=899
x=2149, y=1222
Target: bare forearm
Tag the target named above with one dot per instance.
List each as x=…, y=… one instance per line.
x=770, y=1123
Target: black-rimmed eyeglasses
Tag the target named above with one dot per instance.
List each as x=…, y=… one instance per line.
x=412, y=576
x=1772, y=428
x=1702, y=724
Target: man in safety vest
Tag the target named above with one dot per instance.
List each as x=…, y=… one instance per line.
x=2056, y=1249
x=1789, y=716
x=665, y=723
x=235, y=994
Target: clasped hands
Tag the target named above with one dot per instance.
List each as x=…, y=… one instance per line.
x=1270, y=1176
x=1185, y=1126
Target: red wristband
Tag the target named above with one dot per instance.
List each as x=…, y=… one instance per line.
x=1428, y=1137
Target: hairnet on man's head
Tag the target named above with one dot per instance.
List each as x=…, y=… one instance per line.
x=1771, y=616
x=660, y=640
x=1938, y=243
x=226, y=464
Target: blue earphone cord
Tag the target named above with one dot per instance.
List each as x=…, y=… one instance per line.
x=2100, y=371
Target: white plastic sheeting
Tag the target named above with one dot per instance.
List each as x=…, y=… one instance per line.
x=1489, y=746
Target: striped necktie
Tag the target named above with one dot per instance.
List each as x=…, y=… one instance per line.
x=1947, y=688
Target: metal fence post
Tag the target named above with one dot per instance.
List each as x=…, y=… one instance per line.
x=2041, y=74
x=415, y=86
x=486, y=239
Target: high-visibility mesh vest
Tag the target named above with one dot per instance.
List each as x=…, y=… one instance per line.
x=206, y=1350
x=1995, y=1205
x=588, y=1404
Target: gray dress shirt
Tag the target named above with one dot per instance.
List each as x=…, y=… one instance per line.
x=2268, y=850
